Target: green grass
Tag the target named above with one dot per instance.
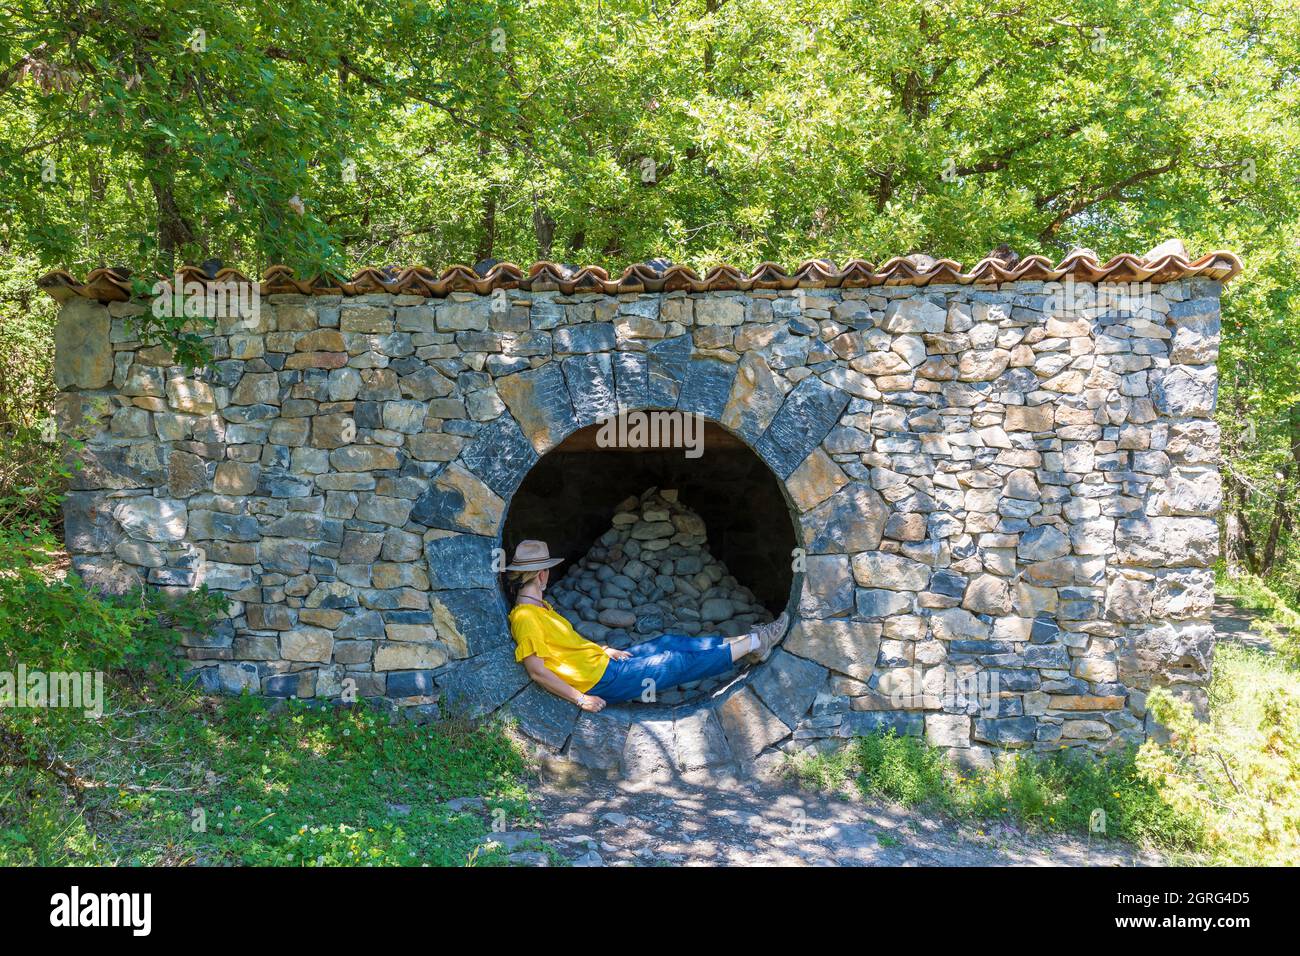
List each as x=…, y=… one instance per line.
x=167, y=776
x=1057, y=793
x=172, y=778
x=1222, y=792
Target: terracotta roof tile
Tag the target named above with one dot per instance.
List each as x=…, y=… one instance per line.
x=1165, y=263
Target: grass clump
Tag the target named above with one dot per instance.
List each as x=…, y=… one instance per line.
x=1058, y=792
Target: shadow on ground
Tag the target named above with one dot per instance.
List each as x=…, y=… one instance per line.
x=773, y=823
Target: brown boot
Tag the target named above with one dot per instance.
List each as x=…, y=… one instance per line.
x=769, y=635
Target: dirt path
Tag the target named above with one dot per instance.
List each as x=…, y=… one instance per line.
x=1236, y=624
x=768, y=823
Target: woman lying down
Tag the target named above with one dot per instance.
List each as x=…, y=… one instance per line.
x=591, y=676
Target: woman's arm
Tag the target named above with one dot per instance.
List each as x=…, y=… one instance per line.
x=539, y=672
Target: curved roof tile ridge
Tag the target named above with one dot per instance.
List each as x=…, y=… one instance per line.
x=1165, y=263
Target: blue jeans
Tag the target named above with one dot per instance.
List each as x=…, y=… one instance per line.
x=668, y=660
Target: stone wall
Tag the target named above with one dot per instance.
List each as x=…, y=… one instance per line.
x=1004, y=496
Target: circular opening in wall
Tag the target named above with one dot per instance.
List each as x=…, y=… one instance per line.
x=657, y=542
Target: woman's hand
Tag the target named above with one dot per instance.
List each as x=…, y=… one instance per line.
x=614, y=654
x=591, y=703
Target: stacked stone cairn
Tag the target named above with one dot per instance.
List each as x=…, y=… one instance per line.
x=651, y=573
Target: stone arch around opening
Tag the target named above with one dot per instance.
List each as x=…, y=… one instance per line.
x=783, y=427
x=494, y=681
x=569, y=499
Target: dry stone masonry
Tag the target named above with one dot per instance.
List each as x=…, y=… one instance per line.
x=1004, y=491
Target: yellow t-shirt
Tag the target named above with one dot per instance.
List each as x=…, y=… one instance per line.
x=539, y=630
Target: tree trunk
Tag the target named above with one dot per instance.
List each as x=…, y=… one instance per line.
x=1239, y=548
x=544, y=229
x=1279, y=519
x=174, y=231
x=1285, y=491
x=487, y=239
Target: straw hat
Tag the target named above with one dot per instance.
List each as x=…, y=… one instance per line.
x=533, y=556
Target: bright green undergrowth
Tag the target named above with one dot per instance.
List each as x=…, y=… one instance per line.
x=1060, y=792
x=1222, y=791
x=166, y=776
x=1275, y=619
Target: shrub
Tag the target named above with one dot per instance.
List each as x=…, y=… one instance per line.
x=50, y=620
x=902, y=768
x=31, y=475
x=1236, y=775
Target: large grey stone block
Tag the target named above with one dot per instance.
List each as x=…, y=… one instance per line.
x=788, y=685
x=480, y=685
x=708, y=384
x=540, y=402
x=500, y=455
x=667, y=362
x=591, y=387
x=461, y=561
x=471, y=621
x=83, y=352
x=806, y=415
x=543, y=716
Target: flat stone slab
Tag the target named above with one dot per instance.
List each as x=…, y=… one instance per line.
x=651, y=748
x=864, y=723
x=476, y=687
x=591, y=387
x=632, y=379
x=457, y=500
x=540, y=402
x=707, y=386
x=849, y=647
x=472, y=621
x=749, y=725
x=460, y=561
x=598, y=740
x=806, y=415
x=543, y=716
x=788, y=684
x=667, y=365
x=699, y=742
x=500, y=455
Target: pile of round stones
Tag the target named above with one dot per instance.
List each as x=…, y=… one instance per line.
x=651, y=573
